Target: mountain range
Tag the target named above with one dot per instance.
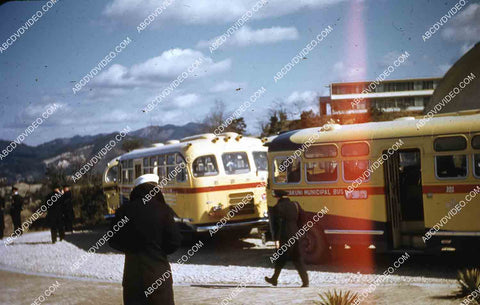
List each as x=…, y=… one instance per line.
x=29, y=163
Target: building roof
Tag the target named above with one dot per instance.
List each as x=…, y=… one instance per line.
x=469, y=97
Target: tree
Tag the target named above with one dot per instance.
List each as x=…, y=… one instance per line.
x=218, y=121
x=131, y=144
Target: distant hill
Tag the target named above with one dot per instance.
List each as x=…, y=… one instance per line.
x=28, y=163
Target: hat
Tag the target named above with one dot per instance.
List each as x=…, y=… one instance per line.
x=146, y=178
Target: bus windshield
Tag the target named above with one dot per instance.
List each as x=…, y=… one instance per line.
x=260, y=158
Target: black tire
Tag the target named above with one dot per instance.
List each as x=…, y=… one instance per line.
x=314, y=246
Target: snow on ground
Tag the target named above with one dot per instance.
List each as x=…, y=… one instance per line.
x=33, y=252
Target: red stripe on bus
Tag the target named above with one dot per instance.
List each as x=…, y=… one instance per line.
x=449, y=188
x=210, y=188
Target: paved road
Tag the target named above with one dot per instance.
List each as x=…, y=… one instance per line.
x=17, y=288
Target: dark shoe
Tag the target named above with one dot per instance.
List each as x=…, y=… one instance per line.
x=271, y=281
x=304, y=285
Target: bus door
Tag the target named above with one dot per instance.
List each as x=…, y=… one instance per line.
x=403, y=184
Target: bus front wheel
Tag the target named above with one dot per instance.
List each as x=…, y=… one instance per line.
x=314, y=246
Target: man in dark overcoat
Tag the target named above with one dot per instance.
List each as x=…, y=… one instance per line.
x=55, y=208
x=68, y=213
x=148, y=236
x=285, y=216
x=16, y=210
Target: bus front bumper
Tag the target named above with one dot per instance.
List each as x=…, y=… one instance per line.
x=229, y=225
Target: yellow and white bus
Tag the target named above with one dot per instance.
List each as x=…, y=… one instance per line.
x=209, y=181
x=406, y=184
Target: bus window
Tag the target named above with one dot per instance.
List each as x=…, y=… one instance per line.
x=170, y=164
x=453, y=166
x=476, y=157
x=205, y=166
x=353, y=169
x=322, y=171
x=260, y=158
x=182, y=167
x=476, y=142
x=148, y=165
x=111, y=175
x=138, y=170
x=235, y=163
x=355, y=149
x=161, y=167
x=450, y=143
x=127, y=171
x=286, y=172
x=321, y=151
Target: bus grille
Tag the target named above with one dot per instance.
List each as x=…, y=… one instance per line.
x=236, y=198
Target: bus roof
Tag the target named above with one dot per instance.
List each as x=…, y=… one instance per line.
x=454, y=123
x=208, y=142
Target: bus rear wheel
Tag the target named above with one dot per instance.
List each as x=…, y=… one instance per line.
x=314, y=246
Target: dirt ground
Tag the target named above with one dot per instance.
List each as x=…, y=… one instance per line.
x=18, y=288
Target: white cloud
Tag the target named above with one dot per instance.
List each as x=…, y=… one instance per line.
x=348, y=73
x=302, y=101
x=225, y=86
x=164, y=68
x=186, y=100
x=464, y=27
x=205, y=11
x=246, y=36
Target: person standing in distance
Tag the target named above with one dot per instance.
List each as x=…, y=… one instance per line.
x=68, y=213
x=55, y=215
x=286, y=215
x=149, y=235
x=16, y=210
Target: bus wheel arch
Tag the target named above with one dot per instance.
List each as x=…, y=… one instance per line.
x=314, y=246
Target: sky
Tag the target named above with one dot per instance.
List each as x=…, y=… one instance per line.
x=45, y=62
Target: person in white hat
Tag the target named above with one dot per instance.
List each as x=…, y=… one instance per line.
x=146, y=239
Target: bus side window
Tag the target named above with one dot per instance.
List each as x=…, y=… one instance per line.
x=354, y=169
x=170, y=167
x=322, y=171
x=452, y=166
x=161, y=167
x=182, y=168
x=476, y=157
x=285, y=171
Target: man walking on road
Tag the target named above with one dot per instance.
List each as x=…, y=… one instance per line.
x=16, y=210
x=286, y=215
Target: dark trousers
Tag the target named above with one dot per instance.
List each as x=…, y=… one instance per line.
x=17, y=220
x=68, y=223
x=294, y=256
x=57, y=226
x=2, y=224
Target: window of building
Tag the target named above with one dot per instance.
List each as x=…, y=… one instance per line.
x=354, y=169
x=235, y=163
x=321, y=151
x=322, y=171
x=452, y=166
x=260, y=158
x=450, y=143
x=205, y=166
x=355, y=149
x=286, y=171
